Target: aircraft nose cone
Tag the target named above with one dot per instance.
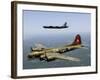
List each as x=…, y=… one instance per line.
x=29, y=56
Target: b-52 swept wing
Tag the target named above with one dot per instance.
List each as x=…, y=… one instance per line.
x=49, y=54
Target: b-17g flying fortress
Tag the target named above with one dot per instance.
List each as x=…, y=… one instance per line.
x=49, y=54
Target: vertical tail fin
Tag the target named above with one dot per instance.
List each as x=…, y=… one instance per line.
x=65, y=23
x=77, y=40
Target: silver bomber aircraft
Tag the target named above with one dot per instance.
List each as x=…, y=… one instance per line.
x=49, y=54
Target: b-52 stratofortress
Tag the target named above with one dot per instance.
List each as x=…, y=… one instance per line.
x=56, y=27
x=49, y=54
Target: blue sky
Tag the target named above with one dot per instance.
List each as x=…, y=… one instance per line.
x=33, y=22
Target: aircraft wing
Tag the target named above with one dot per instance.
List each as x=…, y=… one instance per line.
x=39, y=45
x=61, y=56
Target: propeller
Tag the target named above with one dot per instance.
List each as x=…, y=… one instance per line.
x=31, y=49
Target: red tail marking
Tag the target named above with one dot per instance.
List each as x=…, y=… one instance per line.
x=77, y=40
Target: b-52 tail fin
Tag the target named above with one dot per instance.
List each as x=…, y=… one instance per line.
x=65, y=24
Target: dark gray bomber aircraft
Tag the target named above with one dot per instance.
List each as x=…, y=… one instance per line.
x=56, y=27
